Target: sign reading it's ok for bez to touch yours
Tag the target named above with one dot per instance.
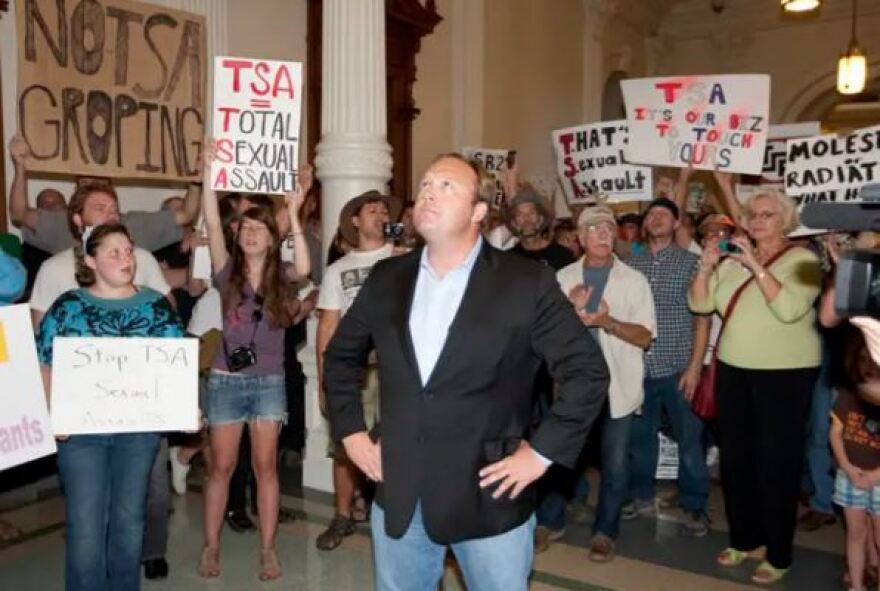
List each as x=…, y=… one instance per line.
x=707, y=122
x=257, y=105
x=111, y=87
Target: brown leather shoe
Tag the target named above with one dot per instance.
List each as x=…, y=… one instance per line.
x=601, y=548
x=813, y=520
x=544, y=536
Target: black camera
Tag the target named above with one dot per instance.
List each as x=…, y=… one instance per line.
x=857, y=285
x=241, y=358
x=393, y=231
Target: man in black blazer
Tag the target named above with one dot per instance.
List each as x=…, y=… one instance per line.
x=460, y=330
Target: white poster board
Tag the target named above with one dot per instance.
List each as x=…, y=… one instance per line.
x=590, y=161
x=776, y=152
x=708, y=122
x=25, y=431
x=124, y=385
x=832, y=168
x=495, y=162
x=256, y=114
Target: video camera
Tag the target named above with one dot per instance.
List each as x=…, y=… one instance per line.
x=857, y=286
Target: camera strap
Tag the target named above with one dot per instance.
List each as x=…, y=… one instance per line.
x=258, y=317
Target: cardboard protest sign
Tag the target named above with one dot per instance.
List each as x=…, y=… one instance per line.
x=111, y=87
x=590, y=161
x=776, y=152
x=124, y=385
x=495, y=162
x=25, y=432
x=708, y=122
x=257, y=107
x=832, y=168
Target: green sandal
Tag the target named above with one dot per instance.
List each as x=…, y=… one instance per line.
x=734, y=557
x=767, y=574
x=731, y=557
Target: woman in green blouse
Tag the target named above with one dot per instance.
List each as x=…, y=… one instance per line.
x=768, y=359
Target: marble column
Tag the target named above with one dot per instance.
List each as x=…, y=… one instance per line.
x=353, y=156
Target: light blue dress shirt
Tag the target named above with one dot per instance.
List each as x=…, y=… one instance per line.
x=435, y=302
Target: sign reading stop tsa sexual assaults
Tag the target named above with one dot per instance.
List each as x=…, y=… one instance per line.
x=706, y=122
x=257, y=106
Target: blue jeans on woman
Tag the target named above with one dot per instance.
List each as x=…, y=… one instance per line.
x=687, y=429
x=105, y=479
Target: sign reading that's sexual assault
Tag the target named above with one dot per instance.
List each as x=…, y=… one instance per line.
x=832, y=168
x=257, y=106
x=706, y=122
x=590, y=161
x=124, y=385
x=111, y=87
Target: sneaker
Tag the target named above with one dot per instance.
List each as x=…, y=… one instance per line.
x=544, y=536
x=601, y=548
x=179, y=471
x=339, y=528
x=696, y=525
x=239, y=521
x=672, y=502
x=813, y=520
x=637, y=508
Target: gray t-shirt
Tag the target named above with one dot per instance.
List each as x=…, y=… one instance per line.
x=150, y=230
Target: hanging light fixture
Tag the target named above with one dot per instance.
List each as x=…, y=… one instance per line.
x=852, y=67
x=799, y=5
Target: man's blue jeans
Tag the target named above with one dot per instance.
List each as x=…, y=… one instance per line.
x=105, y=491
x=612, y=487
x=415, y=563
x=693, y=474
x=820, y=475
x=615, y=475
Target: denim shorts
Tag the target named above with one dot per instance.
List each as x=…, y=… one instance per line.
x=847, y=495
x=237, y=398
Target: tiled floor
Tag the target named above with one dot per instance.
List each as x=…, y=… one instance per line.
x=651, y=556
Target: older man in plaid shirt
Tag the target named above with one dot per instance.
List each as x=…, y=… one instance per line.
x=673, y=365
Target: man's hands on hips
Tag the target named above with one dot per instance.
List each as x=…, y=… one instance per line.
x=515, y=472
x=365, y=454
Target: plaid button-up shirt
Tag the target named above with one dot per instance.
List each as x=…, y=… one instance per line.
x=669, y=274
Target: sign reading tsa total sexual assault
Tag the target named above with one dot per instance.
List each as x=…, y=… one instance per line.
x=832, y=168
x=707, y=122
x=25, y=432
x=257, y=106
x=122, y=385
x=495, y=163
x=590, y=161
x=111, y=88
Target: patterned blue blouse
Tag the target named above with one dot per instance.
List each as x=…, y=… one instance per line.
x=78, y=313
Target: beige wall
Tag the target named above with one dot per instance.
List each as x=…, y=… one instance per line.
x=432, y=92
x=533, y=73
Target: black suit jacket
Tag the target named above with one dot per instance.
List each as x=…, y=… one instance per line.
x=477, y=405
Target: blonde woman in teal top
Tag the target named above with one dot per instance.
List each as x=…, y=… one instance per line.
x=768, y=359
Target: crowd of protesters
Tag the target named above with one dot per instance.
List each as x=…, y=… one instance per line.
x=684, y=303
